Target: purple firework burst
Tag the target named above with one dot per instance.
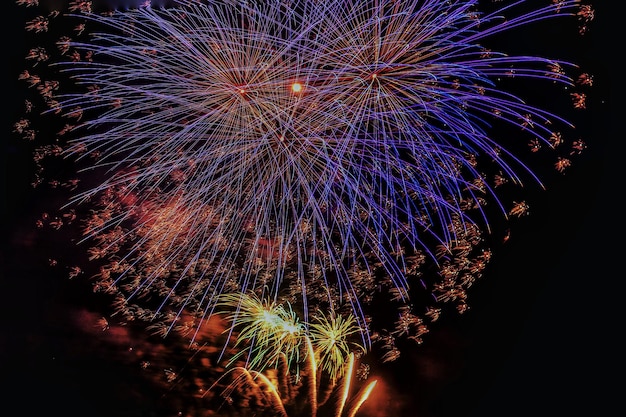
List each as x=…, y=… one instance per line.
x=315, y=152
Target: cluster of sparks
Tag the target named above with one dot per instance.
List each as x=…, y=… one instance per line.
x=276, y=159
x=271, y=331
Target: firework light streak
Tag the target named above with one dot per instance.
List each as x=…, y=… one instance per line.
x=276, y=392
x=315, y=153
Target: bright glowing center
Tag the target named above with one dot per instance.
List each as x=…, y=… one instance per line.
x=296, y=87
x=290, y=328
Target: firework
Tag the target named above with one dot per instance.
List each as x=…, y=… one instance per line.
x=266, y=332
x=330, y=337
x=276, y=393
x=330, y=155
x=271, y=330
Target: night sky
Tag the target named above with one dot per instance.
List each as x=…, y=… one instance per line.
x=541, y=336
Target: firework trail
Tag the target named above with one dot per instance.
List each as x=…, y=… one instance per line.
x=324, y=154
x=274, y=392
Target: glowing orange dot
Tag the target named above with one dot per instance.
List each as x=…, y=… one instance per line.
x=296, y=87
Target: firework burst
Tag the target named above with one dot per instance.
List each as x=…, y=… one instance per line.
x=266, y=333
x=333, y=155
x=271, y=330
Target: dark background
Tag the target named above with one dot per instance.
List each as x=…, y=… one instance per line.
x=542, y=336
